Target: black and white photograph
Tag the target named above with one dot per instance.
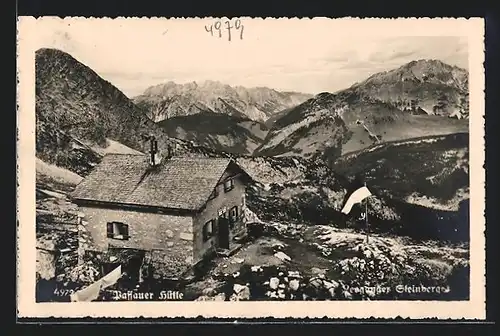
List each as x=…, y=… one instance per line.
x=234, y=160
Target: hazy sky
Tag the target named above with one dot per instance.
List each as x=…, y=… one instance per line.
x=308, y=55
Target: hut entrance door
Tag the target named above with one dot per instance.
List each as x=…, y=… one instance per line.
x=223, y=233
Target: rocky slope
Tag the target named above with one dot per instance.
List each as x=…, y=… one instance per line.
x=171, y=100
x=420, y=187
x=312, y=128
x=222, y=132
x=430, y=171
x=79, y=116
x=428, y=86
x=426, y=180
x=324, y=263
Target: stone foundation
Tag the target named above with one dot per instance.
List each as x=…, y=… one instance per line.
x=85, y=240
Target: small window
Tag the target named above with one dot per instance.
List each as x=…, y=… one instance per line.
x=222, y=212
x=228, y=185
x=233, y=215
x=208, y=230
x=214, y=194
x=117, y=230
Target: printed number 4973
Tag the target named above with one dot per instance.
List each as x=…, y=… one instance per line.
x=63, y=292
x=218, y=25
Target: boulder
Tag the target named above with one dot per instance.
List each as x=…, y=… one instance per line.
x=318, y=271
x=237, y=260
x=282, y=256
x=274, y=282
x=241, y=293
x=238, y=288
x=294, y=284
x=220, y=297
x=316, y=283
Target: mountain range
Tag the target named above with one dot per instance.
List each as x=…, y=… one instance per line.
x=169, y=100
x=420, y=98
x=388, y=106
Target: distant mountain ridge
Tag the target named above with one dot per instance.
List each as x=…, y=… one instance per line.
x=374, y=111
x=430, y=85
x=169, y=100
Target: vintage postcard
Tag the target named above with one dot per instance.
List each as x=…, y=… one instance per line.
x=247, y=167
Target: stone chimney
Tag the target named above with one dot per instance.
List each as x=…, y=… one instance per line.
x=154, y=155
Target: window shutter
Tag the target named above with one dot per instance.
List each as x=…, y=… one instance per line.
x=205, y=232
x=228, y=185
x=110, y=229
x=125, y=230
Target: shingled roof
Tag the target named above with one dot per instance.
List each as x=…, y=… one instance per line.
x=178, y=183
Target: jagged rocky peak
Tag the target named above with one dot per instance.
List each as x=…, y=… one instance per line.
x=425, y=86
x=428, y=70
x=168, y=100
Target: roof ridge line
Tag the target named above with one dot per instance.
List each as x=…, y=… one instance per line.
x=225, y=168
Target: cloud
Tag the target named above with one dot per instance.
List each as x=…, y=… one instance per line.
x=307, y=57
x=383, y=56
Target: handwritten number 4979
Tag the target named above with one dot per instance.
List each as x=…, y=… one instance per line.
x=218, y=28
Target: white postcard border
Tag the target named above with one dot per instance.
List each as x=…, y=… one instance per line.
x=474, y=309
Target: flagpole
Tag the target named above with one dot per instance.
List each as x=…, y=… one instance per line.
x=366, y=218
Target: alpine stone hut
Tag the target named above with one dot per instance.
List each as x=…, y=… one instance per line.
x=177, y=210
